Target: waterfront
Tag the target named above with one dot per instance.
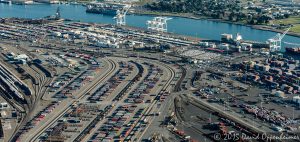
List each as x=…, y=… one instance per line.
x=79, y=81
x=200, y=28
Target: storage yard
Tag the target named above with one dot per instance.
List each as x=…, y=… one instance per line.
x=74, y=81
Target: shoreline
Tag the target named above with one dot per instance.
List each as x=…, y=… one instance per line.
x=257, y=27
x=192, y=16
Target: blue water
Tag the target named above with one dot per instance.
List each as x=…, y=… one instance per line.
x=199, y=28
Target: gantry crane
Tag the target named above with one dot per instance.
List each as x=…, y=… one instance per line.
x=275, y=42
x=121, y=15
x=158, y=24
x=57, y=14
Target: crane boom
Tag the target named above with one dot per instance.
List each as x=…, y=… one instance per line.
x=121, y=15
x=126, y=9
x=285, y=32
x=275, y=42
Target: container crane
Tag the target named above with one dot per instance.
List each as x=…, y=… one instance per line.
x=158, y=24
x=57, y=14
x=275, y=42
x=121, y=15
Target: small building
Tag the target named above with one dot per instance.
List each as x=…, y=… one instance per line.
x=21, y=57
x=287, y=88
x=136, y=44
x=204, y=44
x=193, y=61
x=296, y=99
x=256, y=78
x=249, y=64
x=212, y=45
x=79, y=41
x=270, y=78
x=224, y=46
x=22, y=61
x=38, y=61
x=238, y=48
x=266, y=68
x=276, y=71
x=65, y=36
x=10, y=55
x=246, y=46
x=291, y=66
x=296, y=87
x=280, y=94
x=283, y=86
x=4, y=105
x=258, y=67
x=57, y=34
x=274, y=85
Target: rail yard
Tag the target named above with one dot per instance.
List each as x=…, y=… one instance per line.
x=75, y=81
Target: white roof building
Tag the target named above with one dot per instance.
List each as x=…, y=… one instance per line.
x=21, y=56
x=296, y=99
x=280, y=94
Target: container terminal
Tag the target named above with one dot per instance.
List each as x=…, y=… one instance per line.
x=73, y=81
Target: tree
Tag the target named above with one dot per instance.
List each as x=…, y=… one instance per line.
x=231, y=15
x=251, y=21
x=260, y=20
x=286, y=15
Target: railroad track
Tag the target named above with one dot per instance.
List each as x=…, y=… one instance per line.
x=252, y=130
x=189, y=124
x=179, y=82
x=178, y=108
x=41, y=88
x=195, y=129
x=131, y=82
x=41, y=81
x=122, y=92
x=79, y=98
x=149, y=108
x=140, y=68
x=94, y=122
x=26, y=107
x=37, y=87
x=11, y=101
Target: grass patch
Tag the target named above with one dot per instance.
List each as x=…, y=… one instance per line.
x=295, y=28
x=290, y=20
x=143, y=2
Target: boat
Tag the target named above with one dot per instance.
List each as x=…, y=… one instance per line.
x=104, y=8
x=293, y=50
